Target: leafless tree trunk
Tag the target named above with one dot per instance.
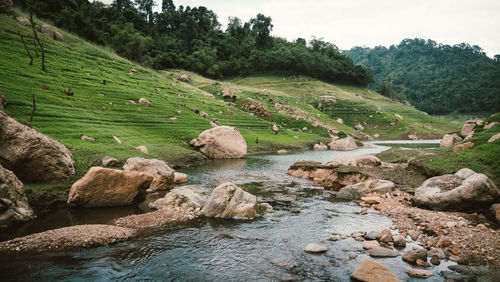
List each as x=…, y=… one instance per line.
x=27, y=50
x=38, y=41
x=33, y=109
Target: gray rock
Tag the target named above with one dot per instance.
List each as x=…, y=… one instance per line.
x=192, y=197
x=454, y=192
x=315, y=248
x=145, y=102
x=109, y=161
x=14, y=205
x=414, y=255
x=163, y=175
x=383, y=252
x=399, y=241
x=372, y=235
x=358, y=190
x=469, y=270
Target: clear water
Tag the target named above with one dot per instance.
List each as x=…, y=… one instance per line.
x=214, y=250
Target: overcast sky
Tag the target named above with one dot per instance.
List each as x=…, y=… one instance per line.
x=348, y=23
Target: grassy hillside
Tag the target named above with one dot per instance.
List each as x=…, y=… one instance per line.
x=105, y=110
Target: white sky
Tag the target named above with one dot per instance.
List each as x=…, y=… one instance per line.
x=348, y=23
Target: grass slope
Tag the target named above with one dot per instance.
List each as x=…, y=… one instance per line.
x=106, y=110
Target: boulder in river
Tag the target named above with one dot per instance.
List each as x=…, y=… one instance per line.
x=345, y=144
x=460, y=191
x=419, y=273
x=230, y=201
x=102, y=187
x=221, y=142
x=163, y=175
x=32, y=156
x=14, y=205
x=450, y=140
x=191, y=197
x=180, y=178
x=358, y=190
x=372, y=271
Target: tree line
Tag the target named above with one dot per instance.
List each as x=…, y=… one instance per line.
x=193, y=39
x=435, y=78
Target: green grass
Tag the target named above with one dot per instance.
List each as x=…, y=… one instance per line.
x=102, y=110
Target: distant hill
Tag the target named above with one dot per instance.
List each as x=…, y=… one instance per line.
x=436, y=78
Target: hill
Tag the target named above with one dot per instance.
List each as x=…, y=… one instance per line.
x=103, y=110
x=436, y=78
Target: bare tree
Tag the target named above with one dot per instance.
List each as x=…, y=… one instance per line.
x=26, y=47
x=38, y=41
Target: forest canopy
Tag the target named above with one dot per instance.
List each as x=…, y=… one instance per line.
x=436, y=78
x=193, y=39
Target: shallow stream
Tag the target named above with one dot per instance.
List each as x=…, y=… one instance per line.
x=269, y=248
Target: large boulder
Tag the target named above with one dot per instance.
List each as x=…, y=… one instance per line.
x=5, y=5
x=494, y=138
x=221, y=142
x=468, y=128
x=14, y=205
x=32, y=156
x=163, y=175
x=191, y=197
x=3, y=102
x=102, y=187
x=47, y=30
x=23, y=21
x=358, y=190
x=450, y=140
x=372, y=271
x=345, y=144
x=361, y=161
x=230, y=201
x=463, y=146
x=227, y=93
x=460, y=191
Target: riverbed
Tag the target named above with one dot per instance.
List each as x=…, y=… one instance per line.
x=269, y=248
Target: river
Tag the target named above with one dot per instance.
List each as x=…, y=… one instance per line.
x=269, y=248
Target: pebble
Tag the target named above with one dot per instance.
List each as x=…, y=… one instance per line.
x=332, y=238
x=371, y=200
x=435, y=260
x=342, y=236
x=383, y=252
x=368, y=245
x=399, y=241
x=423, y=263
x=315, y=248
x=358, y=234
x=384, y=233
x=419, y=273
x=352, y=256
x=372, y=235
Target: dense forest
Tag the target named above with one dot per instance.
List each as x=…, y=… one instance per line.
x=192, y=39
x=435, y=78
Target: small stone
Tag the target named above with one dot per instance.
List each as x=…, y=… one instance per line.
x=368, y=245
x=87, y=138
x=383, y=233
x=422, y=263
x=372, y=235
x=455, y=251
x=435, y=260
x=359, y=239
x=352, y=256
x=342, y=236
x=413, y=255
x=443, y=243
x=315, y=248
x=399, y=241
x=419, y=273
x=386, y=239
x=142, y=148
x=109, y=161
x=454, y=258
x=358, y=234
x=383, y=252
x=332, y=238
x=371, y=200
x=117, y=140
x=283, y=264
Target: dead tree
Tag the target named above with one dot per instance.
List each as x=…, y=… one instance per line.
x=38, y=41
x=27, y=50
x=33, y=109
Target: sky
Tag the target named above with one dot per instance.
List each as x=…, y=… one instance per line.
x=349, y=23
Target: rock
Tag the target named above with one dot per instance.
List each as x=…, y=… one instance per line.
x=386, y=239
x=463, y=146
x=163, y=175
x=462, y=191
x=5, y=5
x=32, y=156
x=275, y=128
x=222, y=142
x=315, y=248
x=145, y=102
x=359, y=127
x=339, y=120
x=190, y=197
x=360, y=161
x=142, y=148
x=454, y=258
x=419, y=273
x=490, y=125
x=320, y=146
x=58, y=36
x=117, y=139
x=398, y=116
x=14, y=205
x=344, y=144
x=412, y=137
x=230, y=201
x=183, y=77
x=493, y=138
x=450, y=139
x=469, y=126
x=359, y=190
x=372, y=235
x=414, y=255
x=282, y=152
x=399, y=241
x=436, y=252
x=372, y=271
x=227, y=93
x=435, y=260
x=23, y=21
x=422, y=263
x=109, y=161
x=371, y=200
x=180, y=177
x=368, y=245
x=108, y=187
x=376, y=135
x=3, y=101
x=383, y=252
x=47, y=30
x=87, y=138
x=203, y=115
x=332, y=239
x=385, y=232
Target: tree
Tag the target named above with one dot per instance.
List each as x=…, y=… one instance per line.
x=262, y=27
